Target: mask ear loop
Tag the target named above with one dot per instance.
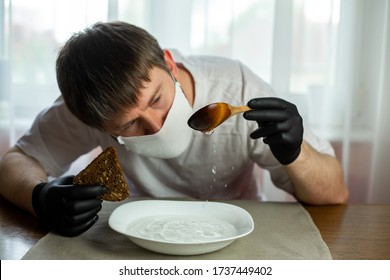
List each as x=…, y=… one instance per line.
x=176, y=81
x=173, y=78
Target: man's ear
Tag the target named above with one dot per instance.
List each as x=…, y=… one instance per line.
x=171, y=64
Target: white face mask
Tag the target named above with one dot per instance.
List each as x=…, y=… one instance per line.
x=174, y=136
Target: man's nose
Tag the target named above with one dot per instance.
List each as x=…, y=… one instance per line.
x=152, y=124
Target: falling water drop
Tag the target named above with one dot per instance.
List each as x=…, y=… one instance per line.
x=210, y=132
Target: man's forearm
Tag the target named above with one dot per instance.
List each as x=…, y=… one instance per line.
x=317, y=178
x=19, y=174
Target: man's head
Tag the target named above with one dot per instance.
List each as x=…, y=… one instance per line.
x=101, y=70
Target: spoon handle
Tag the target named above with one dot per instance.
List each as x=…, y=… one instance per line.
x=235, y=110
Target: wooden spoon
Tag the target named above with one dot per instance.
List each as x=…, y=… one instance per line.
x=209, y=117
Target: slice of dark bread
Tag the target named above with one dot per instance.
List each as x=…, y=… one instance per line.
x=105, y=170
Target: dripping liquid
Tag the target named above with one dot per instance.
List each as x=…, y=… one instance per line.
x=208, y=132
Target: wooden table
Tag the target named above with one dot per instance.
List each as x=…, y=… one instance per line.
x=350, y=231
x=358, y=232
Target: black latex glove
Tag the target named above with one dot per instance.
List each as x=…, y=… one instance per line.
x=280, y=125
x=68, y=209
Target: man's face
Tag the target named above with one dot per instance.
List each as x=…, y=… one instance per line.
x=148, y=116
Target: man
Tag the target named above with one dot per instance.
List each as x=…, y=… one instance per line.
x=119, y=88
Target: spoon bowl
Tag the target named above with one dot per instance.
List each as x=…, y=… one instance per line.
x=209, y=117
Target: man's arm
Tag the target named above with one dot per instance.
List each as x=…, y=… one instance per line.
x=317, y=177
x=59, y=204
x=19, y=174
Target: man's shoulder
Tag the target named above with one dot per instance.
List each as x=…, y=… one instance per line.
x=205, y=60
x=57, y=112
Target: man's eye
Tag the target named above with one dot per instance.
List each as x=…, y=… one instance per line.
x=156, y=100
x=129, y=124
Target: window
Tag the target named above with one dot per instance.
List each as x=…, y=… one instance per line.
x=314, y=38
x=32, y=32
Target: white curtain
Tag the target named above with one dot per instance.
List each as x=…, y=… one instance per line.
x=379, y=191
x=362, y=66
x=330, y=57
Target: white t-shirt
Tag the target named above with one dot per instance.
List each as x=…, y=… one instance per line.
x=214, y=166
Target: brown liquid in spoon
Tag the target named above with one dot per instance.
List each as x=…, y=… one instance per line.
x=212, y=115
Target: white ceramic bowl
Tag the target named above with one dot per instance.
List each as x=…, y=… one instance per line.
x=181, y=227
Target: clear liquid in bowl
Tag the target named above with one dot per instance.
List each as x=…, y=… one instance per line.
x=181, y=229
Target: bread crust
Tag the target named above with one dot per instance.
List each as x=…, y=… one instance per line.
x=105, y=170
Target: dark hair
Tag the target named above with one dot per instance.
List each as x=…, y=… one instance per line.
x=100, y=70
